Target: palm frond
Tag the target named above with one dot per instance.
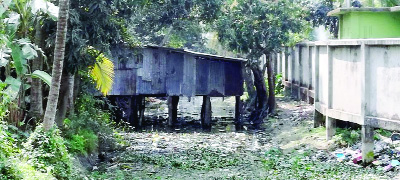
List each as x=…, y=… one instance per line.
x=103, y=74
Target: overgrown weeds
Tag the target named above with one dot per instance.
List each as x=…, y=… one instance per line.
x=301, y=165
x=346, y=137
x=46, y=152
x=89, y=127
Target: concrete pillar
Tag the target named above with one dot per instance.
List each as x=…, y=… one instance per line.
x=367, y=139
x=206, y=113
x=238, y=113
x=330, y=124
x=172, y=110
x=367, y=132
x=285, y=75
x=318, y=119
x=347, y=4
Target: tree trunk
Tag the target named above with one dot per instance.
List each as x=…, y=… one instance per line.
x=36, y=96
x=258, y=115
x=248, y=79
x=64, y=103
x=59, y=51
x=77, y=82
x=271, y=86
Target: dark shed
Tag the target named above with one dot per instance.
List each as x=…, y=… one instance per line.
x=161, y=71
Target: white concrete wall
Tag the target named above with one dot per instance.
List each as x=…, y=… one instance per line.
x=304, y=66
x=384, y=82
x=351, y=80
x=322, y=91
x=346, y=79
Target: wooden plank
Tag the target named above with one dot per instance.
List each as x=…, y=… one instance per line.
x=124, y=82
x=174, y=73
x=233, y=79
x=189, y=76
x=147, y=64
x=163, y=68
x=143, y=87
x=216, y=86
x=156, y=72
x=202, y=74
x=123, y=57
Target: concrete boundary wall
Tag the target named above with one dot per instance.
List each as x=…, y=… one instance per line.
x=350, y=80
x=355, y=80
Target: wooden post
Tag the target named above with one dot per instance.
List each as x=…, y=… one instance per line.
x=172, y=110
x=141, y=108
x=206, y=113
x=238, y=113
x=133, y=119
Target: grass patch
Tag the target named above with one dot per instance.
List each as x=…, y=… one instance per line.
x=193, y=159
x=300, y=166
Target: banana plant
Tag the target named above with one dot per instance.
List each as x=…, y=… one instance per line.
x=16, y=50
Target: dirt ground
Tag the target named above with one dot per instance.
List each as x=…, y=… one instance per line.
x=187, y=152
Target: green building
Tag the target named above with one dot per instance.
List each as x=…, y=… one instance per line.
x=361, y=23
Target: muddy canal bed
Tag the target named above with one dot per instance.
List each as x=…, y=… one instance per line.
x=287, y=148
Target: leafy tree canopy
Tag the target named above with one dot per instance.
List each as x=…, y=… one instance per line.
x=257, y=27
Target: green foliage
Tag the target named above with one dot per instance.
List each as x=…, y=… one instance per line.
x=44, y=76
x=102, y=71
x=260, y=27
x=76, y=144
x=15, y=168
x=89, y=126
x=318, y=16
x=82, y=143
x=299, y=165
x=278, y=84
x=346, y=137
x=194, y=159
x=46, y=152
x=384, y=132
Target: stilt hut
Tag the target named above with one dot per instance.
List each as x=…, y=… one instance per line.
x=155, y=71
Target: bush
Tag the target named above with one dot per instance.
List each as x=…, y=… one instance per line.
x=88, y=126
x=45, y=151
x=278, y=84
x=17, y=169
x=82, y=143
x=346, y=137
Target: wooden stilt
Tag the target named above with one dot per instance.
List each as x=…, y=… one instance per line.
x=141, y=108
x=172, y=110
x=133, y=119
x=206, y=113
x=238, y=113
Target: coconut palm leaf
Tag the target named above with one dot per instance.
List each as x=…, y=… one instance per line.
x=103, y=74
